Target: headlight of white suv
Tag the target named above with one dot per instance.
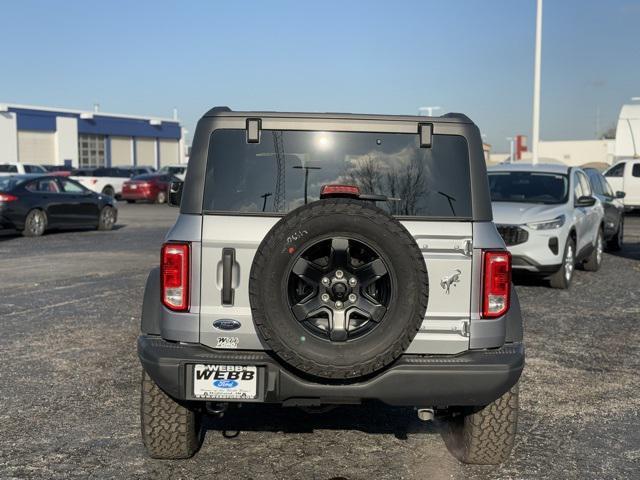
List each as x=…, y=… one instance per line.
x=547, y=224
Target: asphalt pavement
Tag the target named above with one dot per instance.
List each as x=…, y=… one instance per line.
x=69, y=378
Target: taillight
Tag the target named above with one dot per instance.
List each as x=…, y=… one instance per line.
x=328, y=191
x=7, y=197
x=496, y=288
x=93, y=181
x=174, y=276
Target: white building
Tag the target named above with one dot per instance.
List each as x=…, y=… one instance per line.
x=54, y=136
x=578, y=152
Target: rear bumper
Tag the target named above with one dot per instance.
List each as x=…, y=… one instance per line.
x=137, y=195
x=476, y=377
x=522, y=263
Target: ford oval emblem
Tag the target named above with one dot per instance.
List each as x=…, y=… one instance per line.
x=225, y=383
x=226, y=324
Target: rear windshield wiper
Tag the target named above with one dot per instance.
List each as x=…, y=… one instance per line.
x=374, y=197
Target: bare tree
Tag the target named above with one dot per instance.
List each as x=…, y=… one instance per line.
x=404, y=181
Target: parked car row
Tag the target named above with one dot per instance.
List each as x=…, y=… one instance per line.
x=106, y=180
x=554, y=218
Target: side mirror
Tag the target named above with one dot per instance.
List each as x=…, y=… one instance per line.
x=586, y=201
x=175, y=194
x=620, y=194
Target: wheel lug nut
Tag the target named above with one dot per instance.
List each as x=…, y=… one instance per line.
x=339, y=274
x=353, y=281
x=338, y=304
x=325, y=297
x=325, y=281
x=352, y=297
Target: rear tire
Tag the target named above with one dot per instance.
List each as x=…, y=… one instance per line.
x=593, y=263
x=484, y=436
x=161, y=197
x=109, y=191
x=169, y=430
x=562, y=278
x=615, y=243
x=107, y=218
x=35, y=223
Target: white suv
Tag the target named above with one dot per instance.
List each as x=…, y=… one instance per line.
x=549, y=219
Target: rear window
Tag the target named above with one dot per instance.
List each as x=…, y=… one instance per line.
x=9, y=183
x=8, y=169
x=34, y=169
x=153, y=176
x=112, y=172
x=288, y=168
x=81, y=173
x=529, y=187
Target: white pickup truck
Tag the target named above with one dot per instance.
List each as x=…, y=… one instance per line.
x=624, y=176
x=15, y=168
x=108, y=180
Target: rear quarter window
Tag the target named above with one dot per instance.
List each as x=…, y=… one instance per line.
x=288, y=168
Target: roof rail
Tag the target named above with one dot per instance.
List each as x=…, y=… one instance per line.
x=218, y=109
x=460, y=116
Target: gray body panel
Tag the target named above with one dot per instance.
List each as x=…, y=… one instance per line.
x=451, y=248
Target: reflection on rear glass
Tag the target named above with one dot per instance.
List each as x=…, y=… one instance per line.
x=288, y=168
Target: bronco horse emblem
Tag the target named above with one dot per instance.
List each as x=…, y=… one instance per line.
x=449, y=280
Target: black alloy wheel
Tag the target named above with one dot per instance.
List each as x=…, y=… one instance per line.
x=339, y=288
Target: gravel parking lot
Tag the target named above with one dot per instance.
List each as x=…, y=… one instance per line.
x=69, y=378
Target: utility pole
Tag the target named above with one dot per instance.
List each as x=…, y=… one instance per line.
x=536, y=83
x=306, y=178
x=278, y=149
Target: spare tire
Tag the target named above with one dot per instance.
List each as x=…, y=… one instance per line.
x=338, y=289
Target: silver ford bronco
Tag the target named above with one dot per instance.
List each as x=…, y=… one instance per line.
x=322, y=259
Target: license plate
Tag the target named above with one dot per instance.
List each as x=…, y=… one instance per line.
x=229, y=382
x=133, y=187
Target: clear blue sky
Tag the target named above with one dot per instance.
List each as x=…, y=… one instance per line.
x=471, y=56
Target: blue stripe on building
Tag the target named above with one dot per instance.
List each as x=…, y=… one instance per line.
x=45, y=121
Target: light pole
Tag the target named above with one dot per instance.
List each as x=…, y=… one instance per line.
x=511, y=148
x=429, y=110
x=536, y=83
x=306, y=178
x=264, y=197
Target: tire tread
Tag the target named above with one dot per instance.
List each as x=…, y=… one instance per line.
x=169, y=430
x=486, y=436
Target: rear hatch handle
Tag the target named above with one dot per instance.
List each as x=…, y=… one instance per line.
x=228, y=260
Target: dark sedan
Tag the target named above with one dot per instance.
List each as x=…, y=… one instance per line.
x=35, y=203
x=613, y=208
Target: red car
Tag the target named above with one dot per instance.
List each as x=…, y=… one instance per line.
x=150, y=187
